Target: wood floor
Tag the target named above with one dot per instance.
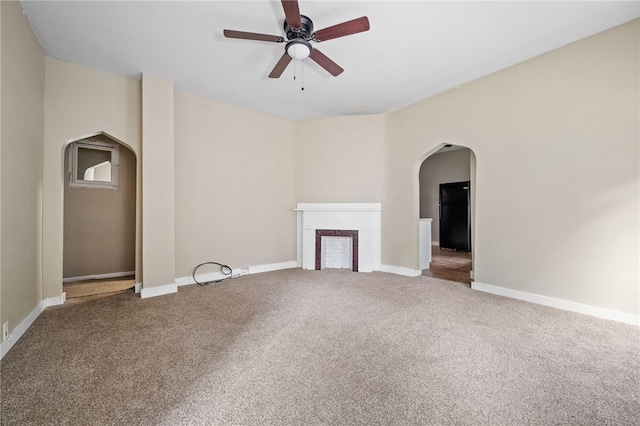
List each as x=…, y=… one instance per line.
x=449, y=265
x=96, y=287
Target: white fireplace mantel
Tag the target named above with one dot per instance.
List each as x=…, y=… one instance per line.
x=339, y=207
x=362, y=217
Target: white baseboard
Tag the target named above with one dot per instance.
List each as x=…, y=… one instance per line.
x=273, y=267
x=17, y=332
x=205, y=278
x=435, y=243
x=566, y=305
x=214, y=276
x=400, y=270
x=159, y=290
x=98, y=276
x=137, y=288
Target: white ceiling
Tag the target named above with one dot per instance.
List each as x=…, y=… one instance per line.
x=413, y=50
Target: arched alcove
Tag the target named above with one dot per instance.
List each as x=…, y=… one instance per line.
x=99, y=215
x=448, y=164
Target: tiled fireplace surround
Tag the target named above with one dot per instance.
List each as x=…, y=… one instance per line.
x=328, y=247
x=359, y=221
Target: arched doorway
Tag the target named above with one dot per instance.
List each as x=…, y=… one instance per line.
x=99, y=245
x=448, y=168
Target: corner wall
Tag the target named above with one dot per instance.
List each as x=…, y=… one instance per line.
x=341, y=160
x=158, y=194
x=22, y=107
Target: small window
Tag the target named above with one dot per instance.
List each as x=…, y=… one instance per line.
x=93, y=164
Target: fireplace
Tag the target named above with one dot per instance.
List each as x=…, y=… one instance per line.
x=359, y=221
x=337, y=233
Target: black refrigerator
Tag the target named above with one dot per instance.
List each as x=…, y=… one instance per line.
x=455, y=216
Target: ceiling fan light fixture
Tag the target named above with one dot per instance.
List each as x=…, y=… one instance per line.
x=299, y=49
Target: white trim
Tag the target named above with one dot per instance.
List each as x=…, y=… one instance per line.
x=205, y=278
x=98, y=276
x=566, y=305
x=159, y=290
x=137, y=288
x=335, y=207
x=400, y=270
x=273, y=267
x=214, y=276
x=17, y=332
x=435, y=243
x=111, y=147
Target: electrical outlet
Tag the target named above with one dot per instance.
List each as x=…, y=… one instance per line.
x=5, y=331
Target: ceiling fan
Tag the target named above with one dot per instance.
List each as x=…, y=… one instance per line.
x=299, y=31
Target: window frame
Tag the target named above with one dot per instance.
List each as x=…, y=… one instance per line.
x=111, y=147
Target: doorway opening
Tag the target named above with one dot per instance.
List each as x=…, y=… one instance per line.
x=99, y=248
x=446, y=181
x=450, y=265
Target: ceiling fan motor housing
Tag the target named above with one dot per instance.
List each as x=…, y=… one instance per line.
x=304, y=32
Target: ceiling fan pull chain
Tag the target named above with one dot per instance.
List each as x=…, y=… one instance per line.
x=302, y=70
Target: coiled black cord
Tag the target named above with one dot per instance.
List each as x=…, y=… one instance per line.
x=224, y=270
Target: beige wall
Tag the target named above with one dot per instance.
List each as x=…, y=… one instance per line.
x=1, y=317
x=557, y=181
x=81, y=102
x=100, y=223
x=22, y=101
x=158, y=205
x=340, y=159
x=234, y=186
x=443, y=167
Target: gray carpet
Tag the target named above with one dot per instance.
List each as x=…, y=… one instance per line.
x=321, y=347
